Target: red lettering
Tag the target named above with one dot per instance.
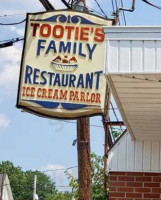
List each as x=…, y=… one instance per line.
x=99, y=35
x=32, y=91
x=63, y=94
x=76, y=33
x=34, y=28
x=98, y=96
x=45, y=30
x=58, y=31
x=55, y=94
x=92, y=97
x=82, y=96
x=39, y=92
x=84, y=34
x=76, y=96
x=87, y=97
x=44, y=91
x=71, y=95
x=69, y=31
x=50, y=93
x=28, y=91
x=24, y=88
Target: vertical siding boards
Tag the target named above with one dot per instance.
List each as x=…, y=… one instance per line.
x=113, y=56
x=137, y=156
x=155, y=156
x=124, y=56
x=130, y=163
x=134, y=74
x=147, y=156
x=149, y=56
x=134, y=56
x=114, y=160
x=122, y=156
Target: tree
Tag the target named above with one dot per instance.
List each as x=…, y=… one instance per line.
x=16, y=177
x=45, y=186
x=116, y=133
x=63, y=196
x=97, y=174
x=22, y=183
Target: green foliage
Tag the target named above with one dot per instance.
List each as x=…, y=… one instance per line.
x=22, y=183
x=116, y=133
x=63, y=196
x=17, y=179
x=73, y=183
x=97, y=175
x=45, y=187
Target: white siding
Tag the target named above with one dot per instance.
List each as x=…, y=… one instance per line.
x=130, y=154
x=138, y=155
x=127, y=52
x=155, y=156
x=134, y=74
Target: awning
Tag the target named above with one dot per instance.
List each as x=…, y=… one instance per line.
x=133, y=69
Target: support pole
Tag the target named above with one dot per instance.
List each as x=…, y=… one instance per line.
x=34, y=189
x=106, y=127
x=84, y=159
x=83, y=145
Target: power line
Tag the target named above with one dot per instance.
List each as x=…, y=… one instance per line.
x=92, y=9
x=149, y=3
x=9, y=43
x=16, y=23
x=116, y=5
x=12, y=15
x=122, y=4
x=112, y=3
x=92, y=125
x=53, y=170
x=115, y=114
x=100, y=8
x=71, y=122
x=13, y=39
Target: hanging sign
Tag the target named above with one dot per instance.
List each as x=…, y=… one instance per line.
x=62, y=65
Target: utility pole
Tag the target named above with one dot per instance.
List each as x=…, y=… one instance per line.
x=84, y=159
x=83, y=138
x=106, y=127
x=34, y=189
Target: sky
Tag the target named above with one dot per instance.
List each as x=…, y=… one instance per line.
x=33, y=142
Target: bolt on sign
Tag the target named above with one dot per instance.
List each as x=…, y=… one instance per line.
x=62, y=65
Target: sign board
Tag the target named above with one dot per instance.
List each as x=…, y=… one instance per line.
x=62, y=65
